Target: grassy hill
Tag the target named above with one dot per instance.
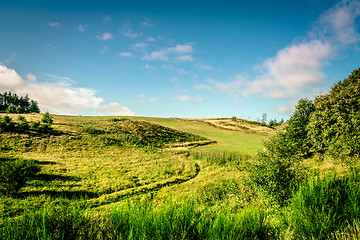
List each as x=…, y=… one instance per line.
x=140, y=178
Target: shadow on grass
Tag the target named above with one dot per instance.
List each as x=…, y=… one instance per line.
x=58, y=194
x=53, y=177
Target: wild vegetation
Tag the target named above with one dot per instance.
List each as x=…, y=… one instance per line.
x=125, y=178
x=12, y=103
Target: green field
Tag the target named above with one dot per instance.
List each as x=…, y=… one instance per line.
x=138, y=178
x=226, y=140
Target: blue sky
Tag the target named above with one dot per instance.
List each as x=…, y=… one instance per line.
x=176, y=58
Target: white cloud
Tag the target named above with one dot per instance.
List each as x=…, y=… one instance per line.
x=339, y=22
x=205, y=87
x=53, y=24
x=104, y=36
x=180, y=49
x=147, y=66
x=128, y=32
x=286, y=109
x=126, y=54
x=82, y=27
x=9, y=78
x=31, y=77
x=57, y=97
x=292, y=70
x=184, y=58
x=205, y=67
x=183, y=98
x=114, y=109
x=188, y=99
x=150, y=39
x=166, y=53
x=157, y=55
x=138, y=45
x=147, y=23
x=143, y=99
x=295, y=69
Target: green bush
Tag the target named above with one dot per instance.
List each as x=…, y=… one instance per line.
x=12, y=109
x=15, y=173
x=47, y=118
x=324, y=205
x=297, y=126
x=6, y=124
x=335, y=124
x=277, y=170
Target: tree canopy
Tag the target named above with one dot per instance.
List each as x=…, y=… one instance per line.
x=12, y=103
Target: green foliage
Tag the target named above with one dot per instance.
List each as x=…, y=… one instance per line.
x=15, y=173
x=297, y=126
x=324, y=205
x=11, y=103
x=6, y=124
x=335, y=124
x=140, y=220
x=277, y=169
x=47, y=118
x=221, y=158
x=12, y=109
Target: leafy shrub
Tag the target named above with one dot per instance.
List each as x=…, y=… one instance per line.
x=15, y=173
x=47, y=118
x=278, y=168
x=35, y=125
x=335, y=124
x=297, y=126
x=11, y=109
x=6, y=124
x=324, y=205
x=23, y=126
x=21, y=118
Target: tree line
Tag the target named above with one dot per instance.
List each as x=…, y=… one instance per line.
x=12, y=103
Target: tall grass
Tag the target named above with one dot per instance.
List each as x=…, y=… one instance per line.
x=140, y=220
x=221, y=158
x=325, y=205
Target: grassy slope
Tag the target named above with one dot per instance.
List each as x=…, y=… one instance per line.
x=226, y=140
x=84, y=164
x=79, y=163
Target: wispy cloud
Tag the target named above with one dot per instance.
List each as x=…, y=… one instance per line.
x=57, y=97
x=126, y=54
x=339, y=22
x=128, y=32
x=188, y=99
x=150, y=39
x=141, y=46
x=54, y=24
x=105, y=36
x=147, y=23
x=205, y=67
x=297, y=70
x=184, y=58
x=166, y=53
x=82, y=28
x=151, y=100
x=147, y=66
x=294, y=68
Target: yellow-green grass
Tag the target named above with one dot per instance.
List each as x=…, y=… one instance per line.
x=227, y=140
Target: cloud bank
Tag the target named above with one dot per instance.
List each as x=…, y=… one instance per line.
x=57, y=96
